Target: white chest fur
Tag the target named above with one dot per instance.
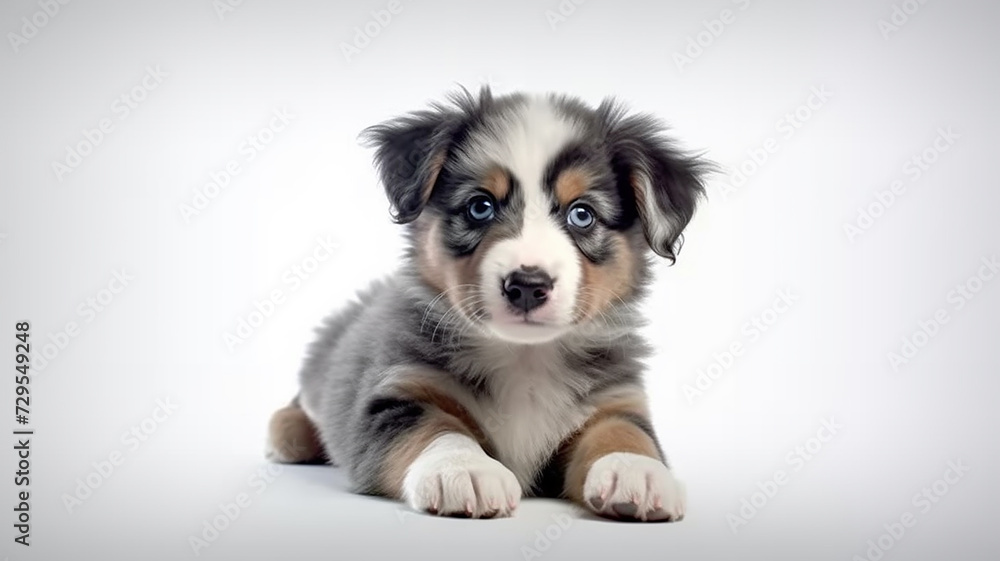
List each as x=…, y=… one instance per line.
x=532, y=407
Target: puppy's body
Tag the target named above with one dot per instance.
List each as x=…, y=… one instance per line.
x=503, y=359
x=527, y=399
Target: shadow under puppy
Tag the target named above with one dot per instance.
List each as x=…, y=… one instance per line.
x=503, y=360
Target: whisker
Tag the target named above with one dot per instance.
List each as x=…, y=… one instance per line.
x=467, y=310
x=616, y=320
x=456, y=308
x=432, y=303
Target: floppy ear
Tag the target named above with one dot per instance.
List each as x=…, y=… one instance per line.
x=409, y=154
x=665, y=181
x=411, y=150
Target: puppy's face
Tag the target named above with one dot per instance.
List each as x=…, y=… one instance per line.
x=533, y=215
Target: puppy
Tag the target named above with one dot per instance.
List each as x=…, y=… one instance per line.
x=503, y=360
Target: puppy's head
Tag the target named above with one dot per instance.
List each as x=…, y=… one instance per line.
x=534, y=216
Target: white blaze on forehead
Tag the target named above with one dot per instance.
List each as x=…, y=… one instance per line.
x=524, y=141
x=529, y=141
x=534, y=140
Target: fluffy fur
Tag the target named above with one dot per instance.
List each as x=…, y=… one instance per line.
x=503, y=359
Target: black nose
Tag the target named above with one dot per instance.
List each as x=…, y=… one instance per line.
x=527, y=288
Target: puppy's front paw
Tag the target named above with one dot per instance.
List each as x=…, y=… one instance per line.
x=628, y=486
x=454, y=477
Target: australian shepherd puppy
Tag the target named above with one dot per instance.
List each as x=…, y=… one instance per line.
x=503, y=359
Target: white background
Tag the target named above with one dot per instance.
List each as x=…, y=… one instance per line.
x=64, y=235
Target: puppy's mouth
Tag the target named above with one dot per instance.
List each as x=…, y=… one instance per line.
x=522, y=318
x=518, y=326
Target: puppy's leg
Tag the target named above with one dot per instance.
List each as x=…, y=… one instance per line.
x=292, y=437
x=614, y=465
x=430, y=453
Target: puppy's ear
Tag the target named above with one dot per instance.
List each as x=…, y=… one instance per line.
x=409, y=154
x=666, y=182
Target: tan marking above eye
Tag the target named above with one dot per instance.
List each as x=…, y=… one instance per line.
x=571, y=184
x=497, y=182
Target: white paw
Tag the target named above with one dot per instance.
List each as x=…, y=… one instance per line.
x=633, y=487
x=454, y=477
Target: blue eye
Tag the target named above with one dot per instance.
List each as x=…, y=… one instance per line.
x=580, y=216
x=481, y=208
